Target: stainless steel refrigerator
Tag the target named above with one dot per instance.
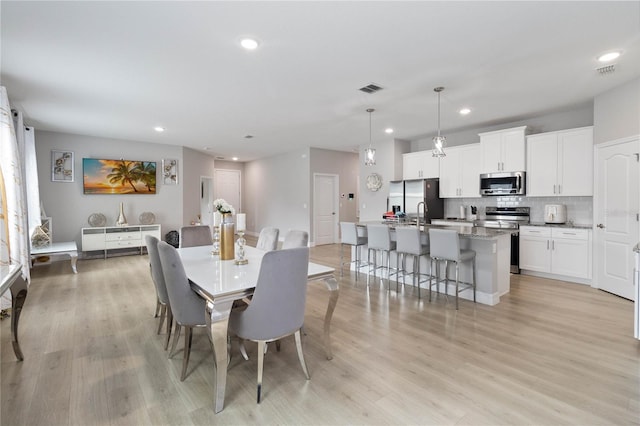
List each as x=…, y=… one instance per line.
x=396, y=196
x=427, y=191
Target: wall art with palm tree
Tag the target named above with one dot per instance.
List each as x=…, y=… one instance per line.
x=118, y=176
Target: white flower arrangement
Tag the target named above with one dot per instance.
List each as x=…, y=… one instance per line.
x=223, y=207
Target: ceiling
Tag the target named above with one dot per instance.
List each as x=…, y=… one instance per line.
x=117, y=69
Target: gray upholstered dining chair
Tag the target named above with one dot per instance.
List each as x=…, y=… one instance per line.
x=445, y=246
x=197, y=235
x=163, y=307
x=295, y=238
x=186, y=306
x=268, y=239
x=409, y=242
x=278, y=304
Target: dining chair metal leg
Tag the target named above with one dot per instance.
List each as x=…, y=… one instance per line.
x=158, y=305
x=261, y=348
x=188, y=334
x=243, y=350
x=163, y=314
x=176, y=337
x=169, y=326
x=301, y=355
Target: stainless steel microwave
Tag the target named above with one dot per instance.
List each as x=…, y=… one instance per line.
x=509, y=183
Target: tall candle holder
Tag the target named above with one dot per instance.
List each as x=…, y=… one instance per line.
x=240, y=243
x=216, y=241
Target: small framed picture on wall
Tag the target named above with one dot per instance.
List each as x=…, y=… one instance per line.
x=61, y=166
x=169, y=171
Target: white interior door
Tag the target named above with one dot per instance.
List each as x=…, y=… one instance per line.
x=227, y=185
x=616, y=216
x=325, y=208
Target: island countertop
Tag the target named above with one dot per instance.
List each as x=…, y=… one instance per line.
x=464, y=231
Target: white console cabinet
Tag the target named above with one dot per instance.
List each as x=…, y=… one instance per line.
x=565, y=252
x=118, y=237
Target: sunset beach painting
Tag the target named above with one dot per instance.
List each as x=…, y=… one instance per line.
x=118, y=176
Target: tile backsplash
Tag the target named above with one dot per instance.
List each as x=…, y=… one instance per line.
x=579, y=209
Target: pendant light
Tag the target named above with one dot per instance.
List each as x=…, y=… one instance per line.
x=438, y=141
x=370, y=153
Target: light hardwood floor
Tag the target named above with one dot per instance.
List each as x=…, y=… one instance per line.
x=550, y=353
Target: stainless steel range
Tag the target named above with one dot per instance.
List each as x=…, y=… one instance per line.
x=507, y=218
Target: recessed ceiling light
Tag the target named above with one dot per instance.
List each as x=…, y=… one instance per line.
x=207, y=148
x=234, y=158
x=388, y=130
x=464, y=111
x=249, y=43
x=607, y=57
x=159, y=129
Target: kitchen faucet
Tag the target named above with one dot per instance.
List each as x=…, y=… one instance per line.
x=424, y=213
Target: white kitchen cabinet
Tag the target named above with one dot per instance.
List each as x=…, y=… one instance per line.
x=503, y=150
x=560, y=163
x=460, y=172
x=420, y=165
x=564, y=252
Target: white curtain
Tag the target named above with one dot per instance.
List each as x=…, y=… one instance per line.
x=14, y=248
x=31, y=179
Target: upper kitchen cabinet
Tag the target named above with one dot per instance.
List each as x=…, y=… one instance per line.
x=503, y=150
x=560, y=163
x=460, y=172
x=420, y=165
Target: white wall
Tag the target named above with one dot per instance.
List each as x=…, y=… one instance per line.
x=277, y=192
x=70, y=208
x=617, y=113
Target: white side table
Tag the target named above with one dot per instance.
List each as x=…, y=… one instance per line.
x=68, y=248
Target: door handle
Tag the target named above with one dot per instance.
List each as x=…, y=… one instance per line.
x=601, y=226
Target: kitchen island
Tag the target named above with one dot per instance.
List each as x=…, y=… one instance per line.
x=493, y=259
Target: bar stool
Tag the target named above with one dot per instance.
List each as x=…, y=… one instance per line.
x=380, y=240
x=445, y=246
x=349, y=236
x=408, y=242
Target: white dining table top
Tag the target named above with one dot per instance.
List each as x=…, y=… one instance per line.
x=218, y=278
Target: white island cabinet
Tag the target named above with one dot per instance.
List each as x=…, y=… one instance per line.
x=117, y=237
x=503, y=150
x=556, y=252
x=560, y=163
x=493, y=262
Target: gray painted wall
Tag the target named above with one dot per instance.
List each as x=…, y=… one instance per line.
x=277, y=192
x=194, y=165
x=617, y=113
x=579, y=116
x=70, y=208
x=389, y=166
x=345, y=165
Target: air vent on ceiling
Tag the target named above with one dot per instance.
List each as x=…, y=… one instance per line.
x=607, y=69
x=371, y=88
x=218, y=157
x=248, y=136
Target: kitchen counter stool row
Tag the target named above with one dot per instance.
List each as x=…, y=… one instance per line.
x=443, y=245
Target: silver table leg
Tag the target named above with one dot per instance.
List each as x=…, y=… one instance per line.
x=334, y=291
x=18, y=297
x=217, y=314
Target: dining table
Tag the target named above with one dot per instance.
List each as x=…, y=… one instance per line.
x=222, y=282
